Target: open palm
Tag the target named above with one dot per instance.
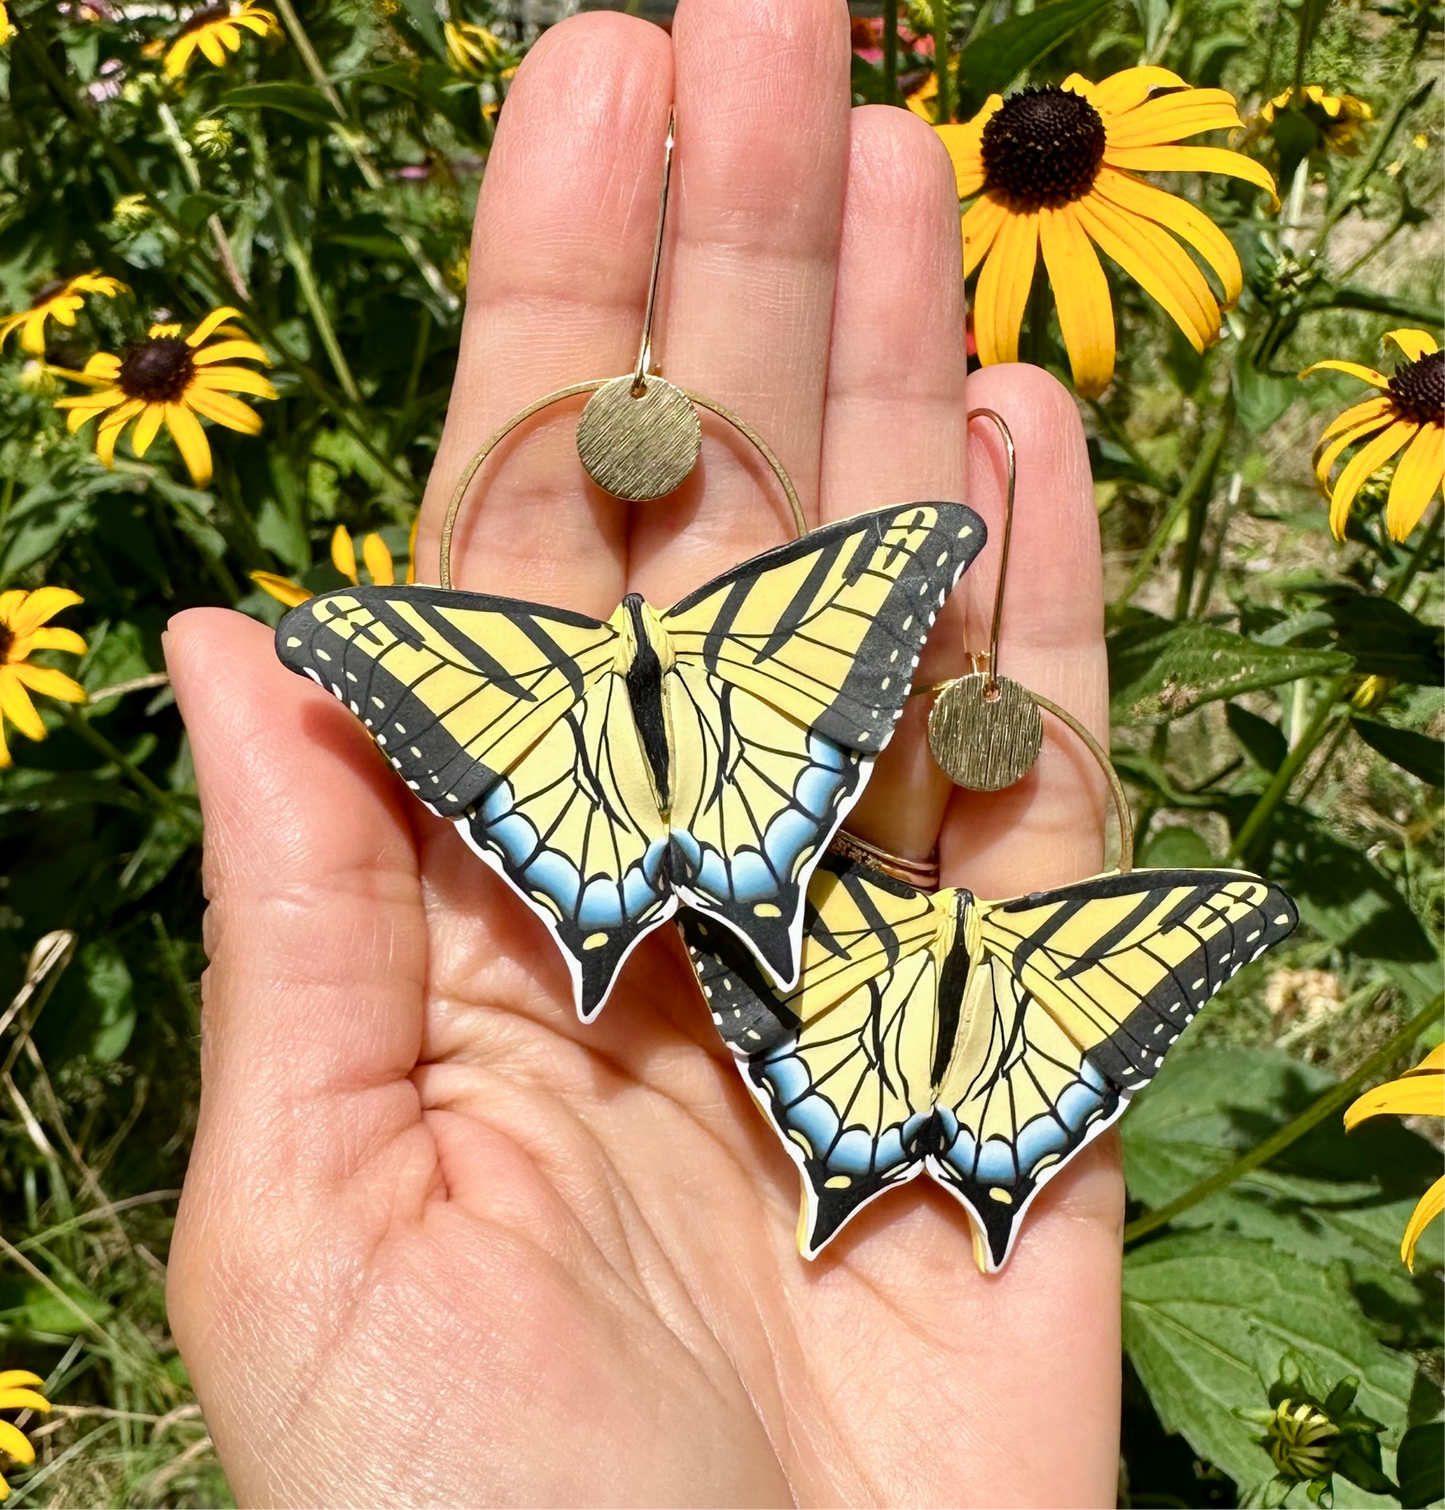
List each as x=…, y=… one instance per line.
x=440, y=1243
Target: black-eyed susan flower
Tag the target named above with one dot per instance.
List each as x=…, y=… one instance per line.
x=25, y=627
x=19, y=1390
x=6, y=29
x=473, y=49
x=1407, y=415
x=1334, y=120
x=374, y=556
x=1057, y=169
x=171, y=379
x=214, y=29
x=60, y=300
x=1417, y=1093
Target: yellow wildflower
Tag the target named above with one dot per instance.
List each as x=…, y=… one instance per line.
x=1419, y=1092
x=59, y=300
x=1409, y=412
x=1057, y=169
x=167, y=378
x=212, y=30
x=19, y=1390
x=472, y=49
x=24, y=629
x=1337, y=119
x=374, y=555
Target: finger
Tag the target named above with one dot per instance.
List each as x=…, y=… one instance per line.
x=762, y=141
x=1048, y=828
x=559, y=268
x=894, y=427
x=315, y=928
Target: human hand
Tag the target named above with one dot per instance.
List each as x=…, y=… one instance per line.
x=440, y=1243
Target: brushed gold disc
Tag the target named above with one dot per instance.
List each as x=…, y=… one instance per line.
x=639, y=446
x=985, y=733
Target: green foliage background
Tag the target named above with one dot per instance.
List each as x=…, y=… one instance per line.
x=344, y=184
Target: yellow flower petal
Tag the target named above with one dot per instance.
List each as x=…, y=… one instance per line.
x=179, y=55
x=252, y=21
x=226, y=351
x=963, y=143
x=1126, y=89
x=343, y=554
x=1081, y=293
x=54, y=639
x=10, y=600
x=1415, y=482
x=217, y=317
x=1003, y=288
x=111, y=427
x=191, y=440
x=1192, y=160
x=15, y=704
x=39, y=607
x=1365, y=374
x=146, y=428
x=1371, y=409
x=1326, y=455
x=5, y=760
x=14, y=1441
x=225, y=410
x=411, y=547
x=1410, y=1096
x=49, y=683
x=22, y=1399
x=235, y=380
x=1367, y=460
x=206, y=41
x=1413, y=344
x=1170, y=117
x=13, y=1376
x=378, y=561
x=1431, y=1205
x=1177, y=215
x=1158, y=264
x=32, y=333
x=981, y=222
x=281, y=588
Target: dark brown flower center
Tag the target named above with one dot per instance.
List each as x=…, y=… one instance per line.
x=47, y=291
x=1043, y=147
x=7, y=639
x=204, y=17
x=1418, y=389
x=157, y=370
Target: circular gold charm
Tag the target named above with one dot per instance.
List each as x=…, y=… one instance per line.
x=985, y=732
x=639, y=446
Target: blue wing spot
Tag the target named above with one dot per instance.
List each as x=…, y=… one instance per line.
x=1078, y=1103
x=996, y=1164
x=852, y=1153
x=815, y=1118
x=557, y=878
x=788, y=1076
x=601, y=905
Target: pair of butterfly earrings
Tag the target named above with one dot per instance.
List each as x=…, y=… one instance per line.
x=701, y=761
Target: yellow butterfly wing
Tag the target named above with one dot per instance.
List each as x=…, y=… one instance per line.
x=511, y=719
x=842, y=1065
x=787, y=676
x=1073, y=999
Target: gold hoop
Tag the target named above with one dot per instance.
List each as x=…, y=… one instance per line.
x=476, y=463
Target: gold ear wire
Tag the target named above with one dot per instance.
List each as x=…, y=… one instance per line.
x=986, y=730
x=639, y=436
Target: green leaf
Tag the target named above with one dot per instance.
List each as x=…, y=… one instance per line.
x=1159, y=670
x=300, y=100
x=1261, y=398
x=1384, y=639
x=108, y=978
x=424, y=17
x=1207, y=1319
x=1263, y=741
x=1421, y=755
x=999, y=54
x=1420, y=1465
x=193, y=210
x=1178, y=848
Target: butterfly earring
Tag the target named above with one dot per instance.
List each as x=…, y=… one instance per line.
x=982, y=1043
x=612, y=770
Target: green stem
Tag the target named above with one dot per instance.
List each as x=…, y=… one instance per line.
x=137, y=777
x=1197, y=482
x=1278, y=788
x=183, y=151
x=890, y=52
x=941, y=20
x=1419, y=557
x=1147, y=475
x=1334, y=1098
x=301, y=265
x=346, y=133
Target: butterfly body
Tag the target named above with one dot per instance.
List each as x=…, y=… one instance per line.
x=980, y=1043
x=610, y=770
